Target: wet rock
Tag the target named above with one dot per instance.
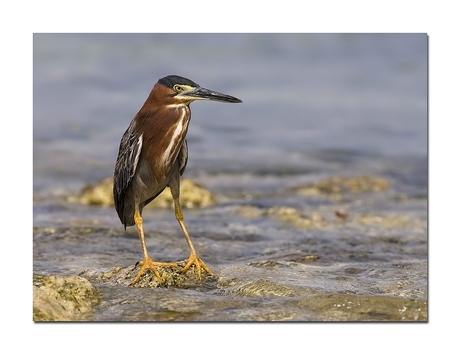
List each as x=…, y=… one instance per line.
x=322, y=219
x=306, y=259
x=388, y=222
x=172, y=277
x=98, y=193
x=192, y=195
x=250, y=211
x=285, y=261
x=268, y=264
x=62, y=298
x=285, y=214
x=335, y=188
x=341, y=185
x=292, y=215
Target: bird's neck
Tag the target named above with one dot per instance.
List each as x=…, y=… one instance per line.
x=164, y=130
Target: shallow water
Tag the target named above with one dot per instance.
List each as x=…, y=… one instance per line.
x=314, y=106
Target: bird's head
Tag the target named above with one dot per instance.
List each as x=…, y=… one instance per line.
x=184, y=91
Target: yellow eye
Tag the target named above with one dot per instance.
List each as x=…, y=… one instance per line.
x=178, y=88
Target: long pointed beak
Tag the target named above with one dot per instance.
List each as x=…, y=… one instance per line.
x=201, y=93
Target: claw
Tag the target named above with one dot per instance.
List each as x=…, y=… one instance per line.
x=149, y=264
x=195, y=260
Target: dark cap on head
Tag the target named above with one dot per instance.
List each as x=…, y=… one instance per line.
x=171, y=80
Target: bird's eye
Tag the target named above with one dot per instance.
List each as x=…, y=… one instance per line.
x=178, y=88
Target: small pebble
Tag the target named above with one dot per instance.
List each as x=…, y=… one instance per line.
x=341, y=213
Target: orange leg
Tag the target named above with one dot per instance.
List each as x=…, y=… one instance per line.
x=193, y=259
x=147, y=263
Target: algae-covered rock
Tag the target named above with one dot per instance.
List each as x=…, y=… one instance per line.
x=62, y=298
x=285, y=214
x=347, y=307
x=292, y=215
x=98, y=193
x=341, y=185
x=172, y=277
x=192, y=195
x=390, y=221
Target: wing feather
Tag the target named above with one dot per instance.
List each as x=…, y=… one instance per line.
x=183, y=157
x=125, y=167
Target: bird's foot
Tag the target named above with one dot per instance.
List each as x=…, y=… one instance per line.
x=149, y=264
x=194, y=259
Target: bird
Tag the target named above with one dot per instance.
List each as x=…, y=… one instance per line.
x=153, y=154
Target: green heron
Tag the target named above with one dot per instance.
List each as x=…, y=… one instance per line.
x=153, y=155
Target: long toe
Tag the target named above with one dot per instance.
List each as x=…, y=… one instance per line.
x=195, y=260
x=149, y=264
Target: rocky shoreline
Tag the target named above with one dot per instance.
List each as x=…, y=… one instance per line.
x=78, y=297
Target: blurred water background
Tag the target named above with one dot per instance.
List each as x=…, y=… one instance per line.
x=352, y=96
x=314, y=105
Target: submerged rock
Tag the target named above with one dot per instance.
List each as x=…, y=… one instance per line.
x=292, y=215
x=192, y=195
x=341, y=185
x=264, y=288
x=348, y=307
x=62, y=298
x=394, y=221
x=285, y=214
